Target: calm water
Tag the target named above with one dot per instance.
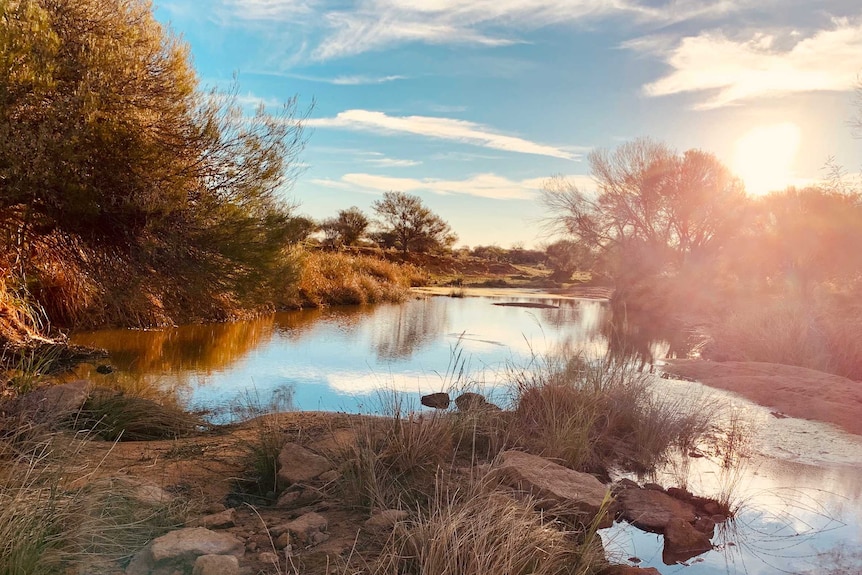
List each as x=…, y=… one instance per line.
x=799, y=492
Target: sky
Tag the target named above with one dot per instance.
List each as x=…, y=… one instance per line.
x=473, y=105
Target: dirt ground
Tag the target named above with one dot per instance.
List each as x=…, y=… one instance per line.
x=790, y=390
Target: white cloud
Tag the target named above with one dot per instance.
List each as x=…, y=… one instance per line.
x=487, y=185
x=738, y=70
x=364, y=80
x=393, y=163
x=440, y=128
x=331, y=30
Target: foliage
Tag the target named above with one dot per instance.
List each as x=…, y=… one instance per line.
x=407, y=224
x=347, y=228
x=116, y=168
x=654, y=208
x=799, y=238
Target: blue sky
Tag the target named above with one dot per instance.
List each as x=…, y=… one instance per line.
x=473, y=104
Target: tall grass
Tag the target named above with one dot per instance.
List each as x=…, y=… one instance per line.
x=823, y=332
x=470, y=526
x=594, y=415
x=330, y=278
x=54, y=513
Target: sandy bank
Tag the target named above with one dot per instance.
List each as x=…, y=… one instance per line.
x=794, y=391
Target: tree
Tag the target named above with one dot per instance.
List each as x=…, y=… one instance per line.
x=347, y=228
x=653, y=207
x=566, y=257
x=111, y=155
x=405, y=223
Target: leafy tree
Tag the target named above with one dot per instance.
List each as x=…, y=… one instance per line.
x=405, y=223
x=653, y=207
x=110, y=155
x=347, y=228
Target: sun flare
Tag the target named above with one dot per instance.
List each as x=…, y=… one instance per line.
x=765, y=155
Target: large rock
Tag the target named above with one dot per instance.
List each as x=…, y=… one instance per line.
x=179, y=550
x=652, y=510
x=682, y=542
x=436, y=400
x=556, y=487
x=54, y=403
x=297, y=464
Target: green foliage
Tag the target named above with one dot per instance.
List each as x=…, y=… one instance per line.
x=407, y=224
x=566, y=257
x=115, y=167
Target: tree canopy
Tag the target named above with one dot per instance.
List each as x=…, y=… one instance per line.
x=347, y=228
x=652, y=206
x=407, y=224
x=107, y=145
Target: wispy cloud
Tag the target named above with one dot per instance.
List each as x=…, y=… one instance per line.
x=461, y=131
x=333, y=29
x=363, y=80
x=488, y=185
x=393, y=163
x=762, y=65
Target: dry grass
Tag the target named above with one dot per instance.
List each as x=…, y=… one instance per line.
x=477, y=528
x=330, y=278
x=54, y=515
x=822, y=333
x=593, y=415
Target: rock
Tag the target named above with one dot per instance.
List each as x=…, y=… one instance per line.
x=330, y=476
x=216, y=565
x=181, y=548
x=557, y=486
x=385, y=520
x=305, y=527
x=144, y=492
x=214, y=508
x=436, y=400
x=223, y=520
x=282, y=541
x=297, y=498
x=268, y=558
x=651, y=510
x=105, y=369
x=297, y=464
x=470, y=401
x=653, y=487
x=705, y=525
x=682, y=542
x=624, y=484
x=53, y=403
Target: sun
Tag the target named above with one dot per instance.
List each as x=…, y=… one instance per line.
x=764, y=157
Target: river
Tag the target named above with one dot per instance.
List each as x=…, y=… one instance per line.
x=799, y=488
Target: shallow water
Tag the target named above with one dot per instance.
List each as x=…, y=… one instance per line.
x=799, y=491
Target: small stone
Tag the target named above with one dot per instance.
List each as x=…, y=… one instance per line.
x=268, y=557
x=216, y=565
x=470, y=401
x=297, y=464
x=223, y=520
x=105, y=369
x=317, y=538
x=651, y=510
x=251, y=547
x=436, y=400
x=304, y=527
x=214, y=508
x=282, y=541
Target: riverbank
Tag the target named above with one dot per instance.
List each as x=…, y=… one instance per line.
x=789, y=390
